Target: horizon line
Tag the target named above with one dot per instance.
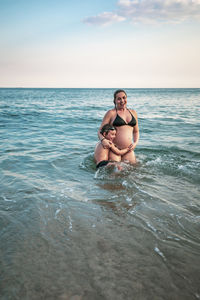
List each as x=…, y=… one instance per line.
x=13, y=87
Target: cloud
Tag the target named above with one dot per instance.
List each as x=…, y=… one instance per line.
x=169, y=11
x=103, y=19
x=150, y=11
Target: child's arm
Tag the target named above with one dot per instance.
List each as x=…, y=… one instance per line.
x=115, y=150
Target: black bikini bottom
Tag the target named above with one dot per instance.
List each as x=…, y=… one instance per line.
x=102, y=163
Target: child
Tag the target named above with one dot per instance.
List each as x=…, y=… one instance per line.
x=101, y=154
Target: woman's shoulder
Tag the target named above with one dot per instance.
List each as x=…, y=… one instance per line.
x=133, y=111
x=110, y=112
x=108, y=117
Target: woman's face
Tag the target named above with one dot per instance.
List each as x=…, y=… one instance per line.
x=121, y=100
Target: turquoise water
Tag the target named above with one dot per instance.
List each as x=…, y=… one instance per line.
x=69, y=232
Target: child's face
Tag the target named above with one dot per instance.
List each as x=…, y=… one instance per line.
x=111, y=135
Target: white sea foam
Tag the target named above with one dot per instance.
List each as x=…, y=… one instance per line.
x=157, y=250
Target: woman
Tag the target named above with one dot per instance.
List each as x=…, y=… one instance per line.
x=126, y=123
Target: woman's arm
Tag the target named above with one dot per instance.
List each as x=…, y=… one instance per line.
x=136, y=133
x=106, y=120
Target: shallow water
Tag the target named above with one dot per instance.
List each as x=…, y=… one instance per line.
x=69, y=232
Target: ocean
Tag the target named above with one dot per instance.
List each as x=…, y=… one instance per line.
x=69, y=232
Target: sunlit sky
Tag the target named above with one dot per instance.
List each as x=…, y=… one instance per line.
x=100, y=43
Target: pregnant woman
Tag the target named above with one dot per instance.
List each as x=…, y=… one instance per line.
x=126, y=123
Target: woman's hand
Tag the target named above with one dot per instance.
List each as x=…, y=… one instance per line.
x=131, y=147
x=106, y=143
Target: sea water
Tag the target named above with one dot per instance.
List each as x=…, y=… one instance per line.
x=68, y=231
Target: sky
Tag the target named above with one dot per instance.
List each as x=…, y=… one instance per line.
x=100, y=43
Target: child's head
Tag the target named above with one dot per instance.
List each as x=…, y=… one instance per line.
x=108, y=131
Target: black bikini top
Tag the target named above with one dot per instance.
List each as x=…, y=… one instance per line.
x=120, y=122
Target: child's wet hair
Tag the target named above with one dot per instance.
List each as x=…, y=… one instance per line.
x=106, y=128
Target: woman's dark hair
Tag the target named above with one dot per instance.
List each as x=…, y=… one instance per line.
x=106, y=128
x=118, y=91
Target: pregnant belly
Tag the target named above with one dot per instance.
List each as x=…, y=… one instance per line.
x=124, y=136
